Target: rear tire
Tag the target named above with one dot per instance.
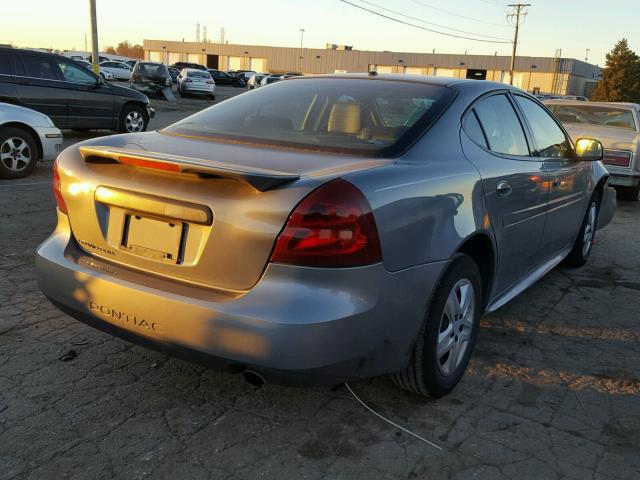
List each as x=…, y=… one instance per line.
x=133, y=119
x=448, y=334
x=18, y=152
x=586, y=235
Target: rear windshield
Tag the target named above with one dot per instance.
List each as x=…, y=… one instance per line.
x=595, y=115
x=198, y=74
x=152, y=69
x=352, y=116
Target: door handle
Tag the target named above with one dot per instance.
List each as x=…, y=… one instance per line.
x=503, y=188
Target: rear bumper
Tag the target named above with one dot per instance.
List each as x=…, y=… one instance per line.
x=198, y=89
x=51, y=141
x=296, y=326
x=630, y=180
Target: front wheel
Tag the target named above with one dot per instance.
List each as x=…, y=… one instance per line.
x=18, y=152
x=448, y=334
x=583, y=244
x=133, y=119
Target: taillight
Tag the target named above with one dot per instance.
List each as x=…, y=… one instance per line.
x=332, y=227
x=617, y=157
x=57, y=187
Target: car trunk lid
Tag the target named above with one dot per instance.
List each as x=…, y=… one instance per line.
x=209, y=217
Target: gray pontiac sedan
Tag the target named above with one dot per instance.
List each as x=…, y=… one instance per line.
x=325, y=228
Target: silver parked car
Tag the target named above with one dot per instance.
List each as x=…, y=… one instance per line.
x=196, y=82
x=617, y=126
x=26, y=136
x=324, y=228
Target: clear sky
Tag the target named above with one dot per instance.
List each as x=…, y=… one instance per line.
x=573, y=25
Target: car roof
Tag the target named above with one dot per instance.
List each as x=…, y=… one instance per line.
x=26, y=50
x=475, y=86
x=194, y=70
x=632, y=106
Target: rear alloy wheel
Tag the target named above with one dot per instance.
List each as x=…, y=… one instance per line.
x=448, y=334
x=133, y=119
x=582, y=247
x=18, y=153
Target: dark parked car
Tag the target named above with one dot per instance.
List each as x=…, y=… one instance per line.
x=150, y=77
x=72, y=96
x=223, y=78
x=182, y=65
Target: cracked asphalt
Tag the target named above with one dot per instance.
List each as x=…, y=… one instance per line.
x=552, y=392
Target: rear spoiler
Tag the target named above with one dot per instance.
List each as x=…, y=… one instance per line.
x=259, y=178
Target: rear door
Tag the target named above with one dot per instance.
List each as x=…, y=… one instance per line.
x=40, y=86
x=7, y=89
x=568, y=179
x=513, y=182
x=90, y=104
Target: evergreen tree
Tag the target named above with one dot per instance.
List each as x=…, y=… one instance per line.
x=621, y=76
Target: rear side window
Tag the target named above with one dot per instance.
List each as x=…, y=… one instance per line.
x=39, y=67
x=551, y=142
x=502, y=126
x=354, y=116
x=472, y=128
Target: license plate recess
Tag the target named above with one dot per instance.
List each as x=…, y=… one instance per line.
x=153, y=238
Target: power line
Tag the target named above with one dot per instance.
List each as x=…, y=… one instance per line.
x=494, y=3
x=459, y=15
x=429, y=23
x=420, y=27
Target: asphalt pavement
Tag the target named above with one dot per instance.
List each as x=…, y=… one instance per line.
x=552, y=391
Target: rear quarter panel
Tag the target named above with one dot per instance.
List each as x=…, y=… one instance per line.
x=427, y=203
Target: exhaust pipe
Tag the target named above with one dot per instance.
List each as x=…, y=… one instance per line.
x=254, y=378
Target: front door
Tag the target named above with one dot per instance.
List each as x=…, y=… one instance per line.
x=513, y=181
x=90, y=103
x=567, y=178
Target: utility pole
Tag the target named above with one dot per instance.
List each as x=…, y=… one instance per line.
x=95, y=58
x=518, y=11
x=301, y=37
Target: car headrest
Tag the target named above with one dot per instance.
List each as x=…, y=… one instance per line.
x=344, y=118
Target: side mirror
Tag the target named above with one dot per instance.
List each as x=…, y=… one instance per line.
x=589, y=150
